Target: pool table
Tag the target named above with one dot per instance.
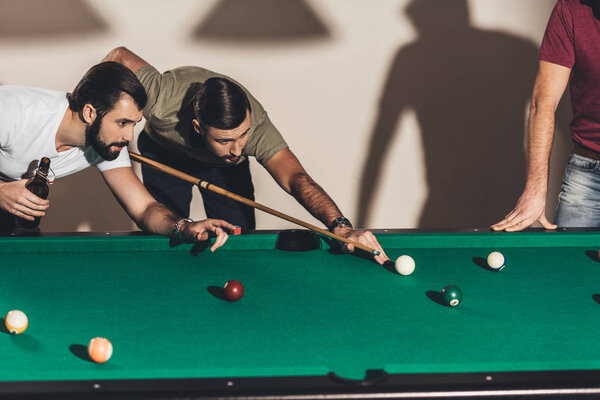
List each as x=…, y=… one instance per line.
x=311, y=324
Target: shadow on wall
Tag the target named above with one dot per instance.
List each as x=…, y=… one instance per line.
x=470, y=89
x=83, y=202
x=43, y=18
x=260, y=21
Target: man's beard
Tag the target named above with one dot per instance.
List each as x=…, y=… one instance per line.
x=92, y=138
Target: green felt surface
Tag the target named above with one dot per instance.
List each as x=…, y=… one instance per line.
x=303, y=313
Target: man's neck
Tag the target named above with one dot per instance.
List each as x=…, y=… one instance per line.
x=71, y=132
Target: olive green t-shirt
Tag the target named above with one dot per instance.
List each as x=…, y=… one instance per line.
x=169, y=113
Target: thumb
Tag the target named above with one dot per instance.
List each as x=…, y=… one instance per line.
x=546, y=224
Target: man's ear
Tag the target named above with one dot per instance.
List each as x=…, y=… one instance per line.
x=197, y=127
x=88, y=114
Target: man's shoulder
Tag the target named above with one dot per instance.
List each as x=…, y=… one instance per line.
x=571, y=5
x=194, y=73
x=31, y=109
x=26, y=96
x=28, y=91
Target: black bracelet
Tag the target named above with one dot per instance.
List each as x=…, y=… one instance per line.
x=341, y=221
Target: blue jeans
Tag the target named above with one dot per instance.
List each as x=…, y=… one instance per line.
x=579, y=198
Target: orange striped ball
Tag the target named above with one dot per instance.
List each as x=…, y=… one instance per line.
x=100, y=349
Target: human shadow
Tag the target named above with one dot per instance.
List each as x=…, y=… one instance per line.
x=34, y=19
x=470, y=90
x=262, y=21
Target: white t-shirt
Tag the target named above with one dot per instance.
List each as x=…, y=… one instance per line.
x=29, y=120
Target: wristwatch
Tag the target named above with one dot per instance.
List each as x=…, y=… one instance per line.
x=177, y=231
x=341, y=221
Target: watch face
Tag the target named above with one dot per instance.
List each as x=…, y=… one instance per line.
x=340, y=222
x=177, y=229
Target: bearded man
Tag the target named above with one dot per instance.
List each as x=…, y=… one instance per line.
x=91, y=126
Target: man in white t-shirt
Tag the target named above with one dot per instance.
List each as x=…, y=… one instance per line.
x=90, y=127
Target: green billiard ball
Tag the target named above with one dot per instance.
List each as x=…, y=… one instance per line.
x=451, y=295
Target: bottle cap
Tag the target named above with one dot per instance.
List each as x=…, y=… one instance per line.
x=50, y=177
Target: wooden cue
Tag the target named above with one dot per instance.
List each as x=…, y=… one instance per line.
x=210, y=187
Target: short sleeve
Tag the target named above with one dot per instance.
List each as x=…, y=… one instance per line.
x=121, y=161
x=151, y=80
x=558, y=44
x=10, y=117
x=265, y=140
x=269, y=141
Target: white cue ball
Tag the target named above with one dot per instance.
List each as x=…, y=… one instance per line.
x=16, y=322
x=495, y=260
x=405, y=265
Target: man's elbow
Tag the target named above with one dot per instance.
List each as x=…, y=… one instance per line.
x=116, y=54
x=542, y=106
x=142, y=216
x=140, y=222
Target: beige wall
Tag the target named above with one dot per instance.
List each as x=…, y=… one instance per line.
x=406, y=112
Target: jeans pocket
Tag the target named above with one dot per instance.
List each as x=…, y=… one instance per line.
x=582, y=163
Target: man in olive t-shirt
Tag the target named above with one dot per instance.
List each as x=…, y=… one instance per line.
x=207, y=125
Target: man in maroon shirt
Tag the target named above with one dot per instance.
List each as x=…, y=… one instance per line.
x=570, y=54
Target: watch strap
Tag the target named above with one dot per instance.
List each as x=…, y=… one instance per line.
x=177, y=228
x=341, y=221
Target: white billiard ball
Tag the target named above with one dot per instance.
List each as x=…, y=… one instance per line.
x=16, y=322
x=405, y=265
x=496, y=260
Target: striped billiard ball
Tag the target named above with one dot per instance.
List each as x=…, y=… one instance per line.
x=16, y=322
x=496, y=261
x=100, y=349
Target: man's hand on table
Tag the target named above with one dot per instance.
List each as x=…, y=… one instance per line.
x=19, y=201
x=363, y=237
x=204, y=229
x=531, y=207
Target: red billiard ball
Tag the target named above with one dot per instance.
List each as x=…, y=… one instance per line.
x=233, y=290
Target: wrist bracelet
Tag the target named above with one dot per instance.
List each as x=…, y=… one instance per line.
x=341, y=221
x=177, y=231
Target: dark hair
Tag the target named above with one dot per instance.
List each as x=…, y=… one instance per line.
x=221, y=104
x=594, y=5
x=102, y=87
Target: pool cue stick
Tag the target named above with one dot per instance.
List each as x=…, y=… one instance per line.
x=212, y=188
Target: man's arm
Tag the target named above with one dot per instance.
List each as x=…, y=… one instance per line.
x=550, y=84
x=291, y=176
x=122, y=55
x=151, y=216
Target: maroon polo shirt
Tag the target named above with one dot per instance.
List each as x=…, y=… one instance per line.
x=572, y=39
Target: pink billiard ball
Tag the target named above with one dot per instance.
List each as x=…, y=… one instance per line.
x=233, y=290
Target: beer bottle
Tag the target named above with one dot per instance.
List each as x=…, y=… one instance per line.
x=39, y=186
